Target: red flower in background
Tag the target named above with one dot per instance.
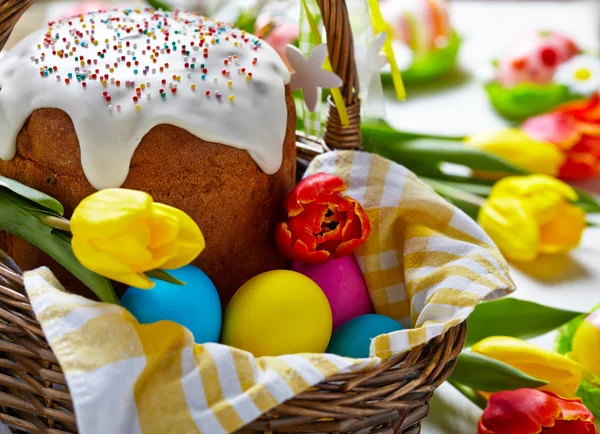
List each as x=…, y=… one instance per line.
x=530, y=411
x=321, y=222
x=575, y=128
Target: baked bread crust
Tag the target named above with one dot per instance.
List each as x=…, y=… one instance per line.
x=233, y=201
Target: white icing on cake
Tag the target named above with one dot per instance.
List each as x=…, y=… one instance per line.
x=133, y=54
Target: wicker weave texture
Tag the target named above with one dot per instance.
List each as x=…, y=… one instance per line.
x=10, y=12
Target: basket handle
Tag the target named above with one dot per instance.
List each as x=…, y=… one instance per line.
x=10, y=12
x=341, y=56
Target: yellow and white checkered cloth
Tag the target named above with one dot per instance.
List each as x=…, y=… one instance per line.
x=426, y=263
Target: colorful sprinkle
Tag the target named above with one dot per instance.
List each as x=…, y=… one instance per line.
x=87, y=58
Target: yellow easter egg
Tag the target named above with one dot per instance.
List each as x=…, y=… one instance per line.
x=278, y=312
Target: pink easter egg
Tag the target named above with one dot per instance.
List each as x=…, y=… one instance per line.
x=534, y=57
x=342, y=282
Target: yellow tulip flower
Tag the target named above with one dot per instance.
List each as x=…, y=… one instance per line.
x=531, y=215
x=120, y=234
x=562, y=374
x=586, y=343
x=520, y=149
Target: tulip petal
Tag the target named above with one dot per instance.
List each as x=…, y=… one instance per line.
x=563, y=374
x=572, y=427
x=534, y=184
x=297, y=249
x=542, y=194
x=558, y=128
x=588, y=128
x=107, y=212
x=584, y=110
x=107, y=266
x=572, y=409
x=309, y=189
x=588, y=145
x=95, y=260
x=190, y=241
x=137, y=280
x=129, y=246
x=564, y=231
x=509, y=222
x=163, y=226
x=579, y=166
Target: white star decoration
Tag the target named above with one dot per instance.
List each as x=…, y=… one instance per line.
x=370, y=60
x=309, y=74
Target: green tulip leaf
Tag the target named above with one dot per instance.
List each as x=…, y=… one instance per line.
x=483, y=373
x=160, y=274
x=590, y=396
x=481, y=190
x=587, y=202
x=467, y=202
x=443, y=151
x=35, y=196
x=17, y=220
x=516, y=318
x=375, y=133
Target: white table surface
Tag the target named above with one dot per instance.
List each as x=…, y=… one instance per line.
x=459, y=106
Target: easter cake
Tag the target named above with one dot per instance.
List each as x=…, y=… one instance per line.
x=188, y=109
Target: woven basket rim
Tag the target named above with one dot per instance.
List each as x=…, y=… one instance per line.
x=394, y=393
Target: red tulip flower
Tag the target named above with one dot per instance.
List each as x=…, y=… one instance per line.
x=530, y=411
x=321, y=222
x=575, y=128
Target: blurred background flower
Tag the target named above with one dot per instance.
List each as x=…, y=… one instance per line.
x=580, y=74
x=533, y=215
x=575, y=129
x=517, y=147
x=424, y=43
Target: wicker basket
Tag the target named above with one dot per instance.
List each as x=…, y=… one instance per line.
x=391, y=398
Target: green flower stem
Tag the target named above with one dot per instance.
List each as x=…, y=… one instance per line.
x=470, y=394
x=54, y=222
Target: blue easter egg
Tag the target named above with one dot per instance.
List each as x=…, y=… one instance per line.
x=195, y=305
x=353, y=338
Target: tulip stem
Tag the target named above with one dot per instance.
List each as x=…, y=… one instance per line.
x=447, y=190
x=470, y=394
x=59, y=223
